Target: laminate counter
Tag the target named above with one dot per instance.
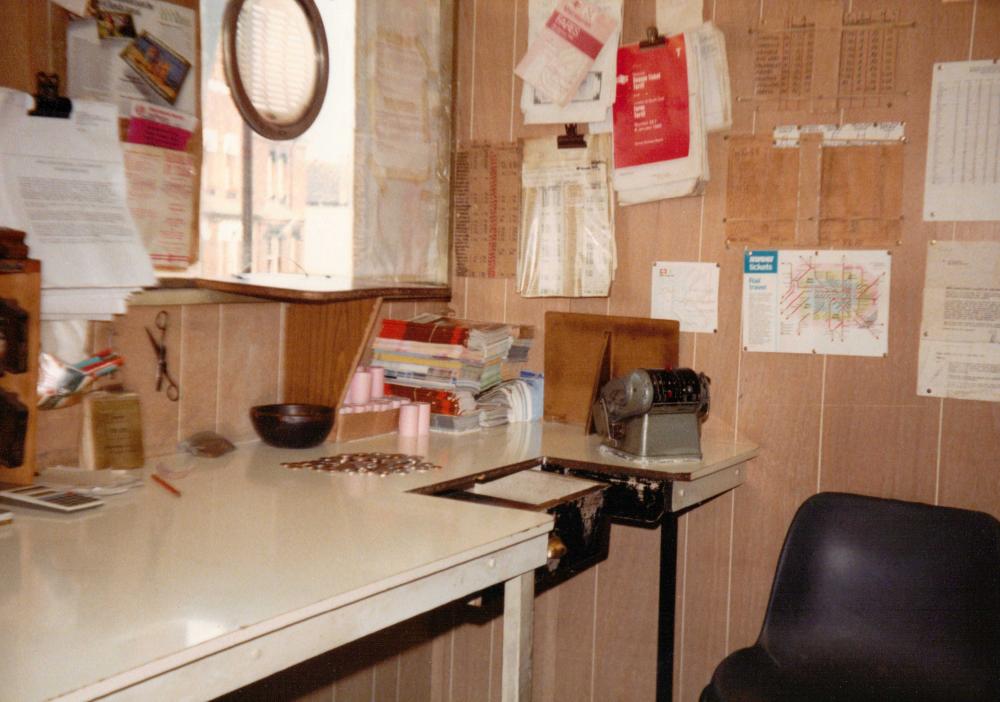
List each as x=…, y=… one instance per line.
x=256, y=566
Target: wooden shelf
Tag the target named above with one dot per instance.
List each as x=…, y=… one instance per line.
x=323, y=289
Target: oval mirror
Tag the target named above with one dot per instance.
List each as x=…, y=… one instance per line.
x=275, y=56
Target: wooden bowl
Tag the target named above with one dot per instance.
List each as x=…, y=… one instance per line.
x=292, y=426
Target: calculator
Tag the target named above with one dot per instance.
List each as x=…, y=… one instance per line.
x=50, y=498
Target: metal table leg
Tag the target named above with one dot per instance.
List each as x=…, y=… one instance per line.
x=668, y=590
x=518, y=612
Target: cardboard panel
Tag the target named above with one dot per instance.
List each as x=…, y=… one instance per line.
x=861, y=196
x=574, y=349
x=808, y=197
x=762, y=191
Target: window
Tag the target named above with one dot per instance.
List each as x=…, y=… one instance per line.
x=295, y=213
x=362, y=193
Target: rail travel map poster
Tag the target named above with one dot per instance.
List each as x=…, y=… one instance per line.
x=832, y=302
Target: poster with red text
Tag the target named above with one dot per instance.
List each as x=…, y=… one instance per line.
x=652, y=115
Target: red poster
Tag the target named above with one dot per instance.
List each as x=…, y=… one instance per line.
x=651, y=118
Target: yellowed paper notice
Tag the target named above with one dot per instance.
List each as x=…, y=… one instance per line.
x=487, y=210
x=160, y=186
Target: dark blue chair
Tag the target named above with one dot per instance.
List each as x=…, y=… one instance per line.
x=876, y=599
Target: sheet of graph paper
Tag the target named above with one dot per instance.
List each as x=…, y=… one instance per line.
x=567, y=246
x=960, y=328
x=962, y=180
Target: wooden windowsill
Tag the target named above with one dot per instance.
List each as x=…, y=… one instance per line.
x=314, y=289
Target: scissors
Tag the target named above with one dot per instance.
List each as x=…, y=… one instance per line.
x=160, y=348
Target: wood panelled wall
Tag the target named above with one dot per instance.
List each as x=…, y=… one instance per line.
x=824, y=422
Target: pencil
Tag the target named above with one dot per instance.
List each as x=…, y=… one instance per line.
x=165, y=484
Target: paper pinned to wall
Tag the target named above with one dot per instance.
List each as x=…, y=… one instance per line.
x=64, y=184
x=564, y=50
x=831, y=302
x=688, y=292
x=676, y=16
x=594, y=97
x=869, y=44
x=659, y=135
x=160, y=197
x=713, y=73
x=486, y=192
x=566, y=246
x=140, y=50
x=962, y=181
x=960, y=328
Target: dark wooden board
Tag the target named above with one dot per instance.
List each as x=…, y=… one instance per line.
x=575, y=352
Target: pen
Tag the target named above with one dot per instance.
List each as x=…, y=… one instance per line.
x=167, y=486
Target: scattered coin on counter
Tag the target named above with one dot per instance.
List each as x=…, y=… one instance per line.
x=380, y=464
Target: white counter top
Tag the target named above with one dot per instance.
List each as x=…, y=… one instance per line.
x=151, y=578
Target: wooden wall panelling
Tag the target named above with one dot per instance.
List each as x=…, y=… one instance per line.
x=872, y=404
x=249, y=353
x=778, y=481
x=199, y=403
x=323, y=343
x=780, y=398
x=702, y=616
x=783, y=401
x=638, y=15
x=985, y=41
x=718, y=355
x=485, y=108
x=626, y=605
x=969, y=475
x=572, y=655
x=883, y=450
x=736, y=18
x=26, y=39
x=473, y=658
x=807, y=216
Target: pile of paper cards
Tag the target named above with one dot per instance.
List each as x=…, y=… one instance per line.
x=590, y=99
x=670, y=95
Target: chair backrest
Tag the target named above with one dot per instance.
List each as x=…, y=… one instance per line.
x=889, y=586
